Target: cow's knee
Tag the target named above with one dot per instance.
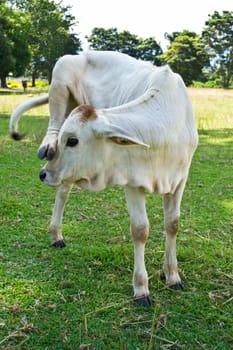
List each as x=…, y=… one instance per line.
x=172, y=225
x=140, y=232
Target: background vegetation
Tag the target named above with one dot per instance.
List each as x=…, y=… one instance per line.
x=35, y=33
x=80, y=297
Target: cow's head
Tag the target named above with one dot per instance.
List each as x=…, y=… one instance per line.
x=84, y=147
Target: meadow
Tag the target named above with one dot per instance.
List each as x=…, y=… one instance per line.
x=80, y=297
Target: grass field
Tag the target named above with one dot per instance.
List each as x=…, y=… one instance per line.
x=80, y=297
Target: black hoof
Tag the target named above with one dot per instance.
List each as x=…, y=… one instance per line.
x=42, y=152
x=177, y=286
x=59, y=244
x=46, y=152
x=144, y=301
x=162, y=276
x=50, y=154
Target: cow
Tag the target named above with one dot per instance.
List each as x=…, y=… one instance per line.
x=145, y=145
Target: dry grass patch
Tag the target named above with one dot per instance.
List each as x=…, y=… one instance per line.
x=213, y=108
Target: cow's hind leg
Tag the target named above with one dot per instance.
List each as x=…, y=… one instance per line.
x=58, y=210
x=140, y=229
x=171, y=220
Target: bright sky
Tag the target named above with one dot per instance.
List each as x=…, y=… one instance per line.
x=145, y=18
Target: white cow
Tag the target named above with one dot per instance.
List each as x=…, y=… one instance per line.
x=101, y=78
x=145, y=145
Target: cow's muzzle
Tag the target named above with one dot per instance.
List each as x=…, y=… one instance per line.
x=42, y=174
x=49, y=178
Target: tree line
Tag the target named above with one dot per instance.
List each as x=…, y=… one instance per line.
x=35, y=33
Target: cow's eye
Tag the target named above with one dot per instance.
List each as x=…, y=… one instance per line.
x=72, y=142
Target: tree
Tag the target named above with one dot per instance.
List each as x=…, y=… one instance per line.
x=186, y=55
x=149, y=50
x=125, y=42
x=218, y=38
x=14, y=53
x=110, y=39
x=51, y=34
x=104, y=39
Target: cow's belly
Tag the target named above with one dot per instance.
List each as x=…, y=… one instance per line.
x=158, y=180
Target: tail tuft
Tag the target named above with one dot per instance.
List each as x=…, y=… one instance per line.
x=17, y=137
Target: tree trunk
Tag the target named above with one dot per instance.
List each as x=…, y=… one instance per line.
x=4, y=83
x=49, y=76
x=33, y=79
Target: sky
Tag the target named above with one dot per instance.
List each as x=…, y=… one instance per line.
x=145, y=18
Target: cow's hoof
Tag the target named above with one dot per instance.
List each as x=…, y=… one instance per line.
x=177, y=286
x=50, y=153
x=42, y=152
x=59, y=244
x=144, y=301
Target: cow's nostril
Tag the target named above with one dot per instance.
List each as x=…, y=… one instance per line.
x=42, y=174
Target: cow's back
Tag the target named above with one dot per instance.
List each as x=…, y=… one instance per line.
x=103, y=78
x=163, y=115
x=113, y=78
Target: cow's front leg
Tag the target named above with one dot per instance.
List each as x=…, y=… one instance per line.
x=59, y=107
x=58, y=210
x=136, y=199
x=171, y=220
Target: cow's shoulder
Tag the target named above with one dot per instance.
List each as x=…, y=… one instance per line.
x=113, y=59
x=70, y=65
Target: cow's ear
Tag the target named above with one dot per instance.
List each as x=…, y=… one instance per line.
x=126, y=140
x=118, y=135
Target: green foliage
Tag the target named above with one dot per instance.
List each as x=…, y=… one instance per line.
x=125, y=42
x=14, y=53
x=148, y=50
x=50, y=35
x=218, y=38
x=207, y=84
x=186, y=55
x=80, y=297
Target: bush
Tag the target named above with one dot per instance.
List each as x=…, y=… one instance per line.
x=217, y=83
x=41, y=83
x=13, y=84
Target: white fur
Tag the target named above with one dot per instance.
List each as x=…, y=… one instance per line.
x=160, y=139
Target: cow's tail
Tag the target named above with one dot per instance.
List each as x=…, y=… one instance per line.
x=17, y=113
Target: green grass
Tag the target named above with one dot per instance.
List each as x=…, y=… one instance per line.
x=80, y=297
